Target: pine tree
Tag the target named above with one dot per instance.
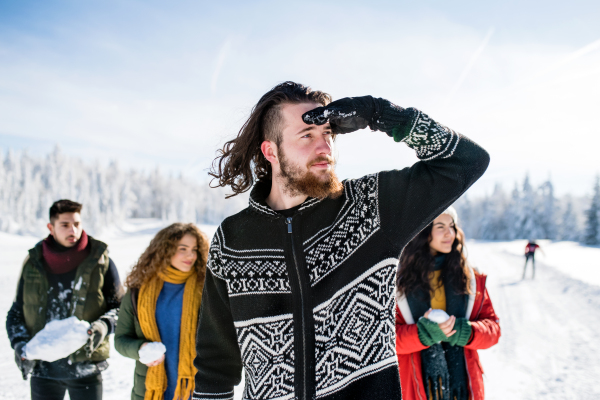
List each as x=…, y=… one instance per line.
x=465, y=212
x=512, y=214
x=592, y=224
x=499, y=229
x=548, y=211
x=569, y=228
x=29, y=186
x=529, y=218
x=465, y=217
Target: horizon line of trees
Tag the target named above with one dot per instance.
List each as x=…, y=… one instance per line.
x=109, y=194
x=531, y=213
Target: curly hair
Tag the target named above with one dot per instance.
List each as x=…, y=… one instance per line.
x=417, y=263
x=240, y=162
x=160, y=251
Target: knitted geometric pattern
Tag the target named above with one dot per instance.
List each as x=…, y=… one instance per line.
x=248, y=272
x=305, y=305
x=267, y=347
x=267, y=344
x=357, y=220
x=354, y=336
x=428, y=138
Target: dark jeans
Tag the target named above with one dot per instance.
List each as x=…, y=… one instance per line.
x=88, y=388
x=527, y=257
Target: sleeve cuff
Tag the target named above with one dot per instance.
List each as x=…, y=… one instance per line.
x=212, y=396
x=464, y=332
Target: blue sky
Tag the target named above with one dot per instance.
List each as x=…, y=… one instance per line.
x=154, y=83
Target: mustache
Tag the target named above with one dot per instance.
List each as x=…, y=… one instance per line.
x=328, y=159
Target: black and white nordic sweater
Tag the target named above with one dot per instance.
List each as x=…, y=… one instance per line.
x=305, y=305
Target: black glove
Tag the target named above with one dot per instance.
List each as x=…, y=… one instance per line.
x=98, y=331
x=24, y=365
x=353, y=113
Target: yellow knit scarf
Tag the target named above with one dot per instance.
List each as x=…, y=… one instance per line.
x=156, y=378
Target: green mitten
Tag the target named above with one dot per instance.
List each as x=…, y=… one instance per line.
x=430, y=332
x=463, y=333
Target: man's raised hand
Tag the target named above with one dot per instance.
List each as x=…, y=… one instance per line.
x=353, y=113
x=345, y=115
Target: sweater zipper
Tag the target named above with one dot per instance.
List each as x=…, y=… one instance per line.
x=302, y=322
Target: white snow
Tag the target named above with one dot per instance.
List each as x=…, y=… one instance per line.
x=548, y=349
x=438, y=316
x=151, y=352
x=58, y=339
x=572, y=259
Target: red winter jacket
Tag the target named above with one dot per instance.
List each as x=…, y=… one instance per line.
x=485, y=334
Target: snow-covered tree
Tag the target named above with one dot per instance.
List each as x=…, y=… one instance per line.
x=500, y=227
x=548, y=212
x=569, y=227
x=592, y=223
x=466, y=214
x=29, y=186
x=528, y=212
x=512, y=215
x=529, y=223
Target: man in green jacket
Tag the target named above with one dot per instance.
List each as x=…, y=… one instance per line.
x=67, y=274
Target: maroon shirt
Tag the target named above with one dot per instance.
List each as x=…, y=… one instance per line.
x=61, y=259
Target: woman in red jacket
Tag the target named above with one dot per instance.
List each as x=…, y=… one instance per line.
x=437, y=350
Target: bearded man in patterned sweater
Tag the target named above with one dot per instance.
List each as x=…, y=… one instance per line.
x=299, y=289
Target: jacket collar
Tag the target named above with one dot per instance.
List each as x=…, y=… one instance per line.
x=260, y=192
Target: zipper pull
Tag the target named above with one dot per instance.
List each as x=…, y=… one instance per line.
x=289, y=224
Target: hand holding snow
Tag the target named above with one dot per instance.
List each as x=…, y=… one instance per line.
x=151, y=352
x=438, y=316
x=57, y=340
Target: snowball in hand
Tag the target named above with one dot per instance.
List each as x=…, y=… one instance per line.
x=151, y=352
x=438, y=316
x=58, y=339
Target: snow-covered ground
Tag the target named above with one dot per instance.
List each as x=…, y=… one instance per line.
x=126, y=244
x=548, y=348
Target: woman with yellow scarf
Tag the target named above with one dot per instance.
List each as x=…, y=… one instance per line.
x=161, y=309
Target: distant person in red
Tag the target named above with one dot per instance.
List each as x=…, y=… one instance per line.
x=530, y=249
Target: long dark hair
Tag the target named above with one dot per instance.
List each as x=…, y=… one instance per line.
x=162, y=248
x=241, y=161
x=417, y=263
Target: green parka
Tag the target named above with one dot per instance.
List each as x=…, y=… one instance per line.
x=128, y=340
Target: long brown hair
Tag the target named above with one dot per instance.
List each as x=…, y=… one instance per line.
x=417, y=263
x=241, y=161
x=163, y=246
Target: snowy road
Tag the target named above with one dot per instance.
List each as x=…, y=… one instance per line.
x=547, y=349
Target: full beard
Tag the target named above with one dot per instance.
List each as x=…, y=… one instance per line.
x=307, y=183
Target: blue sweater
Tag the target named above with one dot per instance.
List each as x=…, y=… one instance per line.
x=168, y=319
